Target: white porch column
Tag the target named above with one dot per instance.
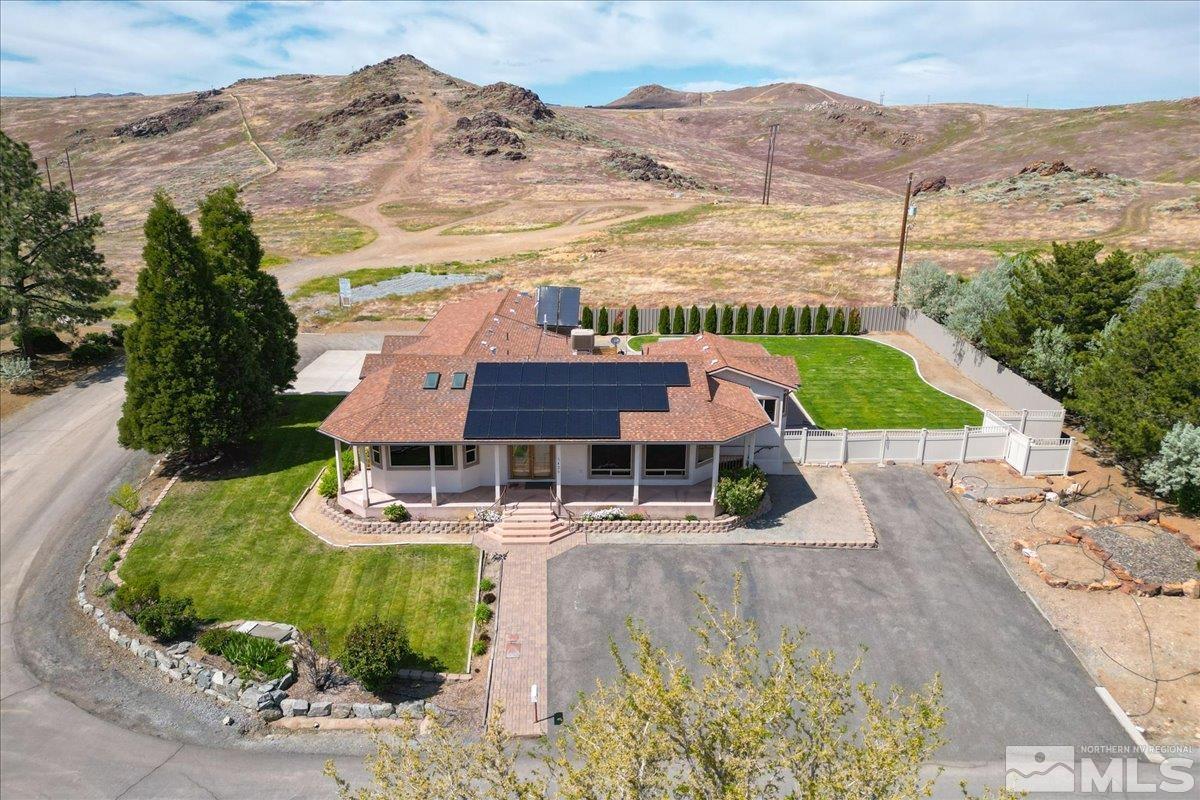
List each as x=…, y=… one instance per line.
x=558, y=473
x=365, y=462
x=432, y=477
x=496, y=449
x=337, y=464
x=712, y=495
x=746, y=450
x=637, y=473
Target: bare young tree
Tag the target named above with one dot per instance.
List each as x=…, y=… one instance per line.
x=314, y=659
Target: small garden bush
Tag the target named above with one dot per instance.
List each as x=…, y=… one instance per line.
x=480, y=647
x=603, y=514
x=691, y=518
x=15, y=371
x=164, y=618
x=486, y=584
x=397, y=512
x=483, y=613
x=96, y=348
x=741, y=491
x=42, y=340
x=125, y=497
x=213, y=640
x=253, y=655
x=374, y=650
x=327, y=487
x=111, y=561
x=122, y=525
x=118, y=334
x=489, y=515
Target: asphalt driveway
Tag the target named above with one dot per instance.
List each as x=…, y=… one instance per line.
x=931, y=599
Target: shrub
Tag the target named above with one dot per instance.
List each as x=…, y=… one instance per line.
x=691, y=518
x=585, y=320
x=1175, y=471
x=804, y=326
x=1050, y=361
x=635, y=517
x=314, y=659
x=169, y=619
x=374, y=650
x=42, y=340
x=741, y=491
x=122, y=525
x=743, y=320
x=664, y=320
x=602, y=321
x=618, y=324
x=789, y=321
x=773, y=321
x=111, y=561
x=634, y=322
x=710, y=319
x=258, y=656
x=602, y=514
x=929, y=289
x=678, y=323
x=480, y=647
x=488, y=597
x=118, y=334
x=327, y=487
x=15, y=371
x=96, y=348
x=483, y=613
x=821, y=324
x=854, y=322
x=727, y=320
x=486, y=584
x=213, y=640
x=839, y=321
x=694, y=323
x=133, y=598
x=125, y=497
x=396, y=512
x=756, y=321
x=107, y=587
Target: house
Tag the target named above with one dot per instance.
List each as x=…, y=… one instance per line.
x=487, y=406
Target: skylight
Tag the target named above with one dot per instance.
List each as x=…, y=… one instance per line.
x=458, y=380
x=431, y=379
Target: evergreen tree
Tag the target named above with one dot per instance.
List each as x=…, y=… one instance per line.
x=180, y=349
x=789, y=320
x=743, y=320
x=50, y=272
x=235, y=255
x=678, y=323
x=727, y=319
x=694, y=323
x=822, y=322
x=1146, y=377
x=586, y=319
x=634, y=322
x=602, y=321
x=710, y=319
x=773, y=320
x=839, y=321
x=1071, y=289
x=854, y=322
x=804, y=326
x=618, y=323
x=756, y=321
x=664, y=320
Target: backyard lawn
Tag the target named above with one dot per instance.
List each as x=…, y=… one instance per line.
x=226, y=541
x=860, y=384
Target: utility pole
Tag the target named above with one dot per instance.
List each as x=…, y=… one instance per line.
x=71, y=176
x=766, y=193
x=903, y=239
x=46, y=161
x=881, y=98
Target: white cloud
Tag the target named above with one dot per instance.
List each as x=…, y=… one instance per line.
x=995, y=52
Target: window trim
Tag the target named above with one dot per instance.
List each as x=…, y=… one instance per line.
x=607, y=472
x=458, y=381
x=432, y=380
x=376, y=452
x=712, y=453
x=468, y=461
x=762, y=400
x=664, y=472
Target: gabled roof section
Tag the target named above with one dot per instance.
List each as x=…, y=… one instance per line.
x=718, y=353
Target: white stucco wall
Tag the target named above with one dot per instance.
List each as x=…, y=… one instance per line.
x=768, y=444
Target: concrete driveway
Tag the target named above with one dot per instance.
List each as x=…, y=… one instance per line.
x=332, y=372
x=932, y=599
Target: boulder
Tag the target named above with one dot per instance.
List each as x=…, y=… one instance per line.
x=270, y=714
x=319, y=708
x=294, y=707
x=362, y=710
x=203, y=679
x=412, y=710
x=341, y=710
x=218, y=678
x=930, y=185
x=1192, y=589
x=250, y=698
x=381, y=710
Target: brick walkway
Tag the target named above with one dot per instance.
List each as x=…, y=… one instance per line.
x=520, y=640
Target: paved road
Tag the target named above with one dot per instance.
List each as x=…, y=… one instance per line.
x=932, y=599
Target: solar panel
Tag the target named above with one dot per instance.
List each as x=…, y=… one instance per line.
x=565, y=400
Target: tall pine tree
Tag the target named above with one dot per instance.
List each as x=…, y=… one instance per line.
x=726, y=319
x=789, y=320
x=710, y=319
x=804, y=326
x=664, y=320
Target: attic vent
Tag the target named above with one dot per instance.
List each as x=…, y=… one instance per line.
x=704, y=349
x=432, y=379
x=458, y=380
x=713, y=361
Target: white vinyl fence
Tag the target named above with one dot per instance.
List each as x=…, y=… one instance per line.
x=1000, y=437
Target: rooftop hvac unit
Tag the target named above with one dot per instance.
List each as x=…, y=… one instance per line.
x=583, y=340
x=557, y=306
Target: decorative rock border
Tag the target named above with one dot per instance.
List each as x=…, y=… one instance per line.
x=722, y=524
x=862, y=512
x=356, y=524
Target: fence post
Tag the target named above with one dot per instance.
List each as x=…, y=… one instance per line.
x=1028, y=453
x=1024, y=418
x=845, y=445
x=921, y=451
x=882, y=447
x=1067, y=461
x=966, y=438
x=803, y=445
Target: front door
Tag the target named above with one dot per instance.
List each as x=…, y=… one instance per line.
x=531, y=462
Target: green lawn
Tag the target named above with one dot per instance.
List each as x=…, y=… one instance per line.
x=857, y=383
x=227, y=542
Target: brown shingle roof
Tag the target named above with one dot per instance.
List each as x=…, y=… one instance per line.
x=721, y=353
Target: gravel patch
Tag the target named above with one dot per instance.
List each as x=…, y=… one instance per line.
x=412, y=283
x=1152, y=556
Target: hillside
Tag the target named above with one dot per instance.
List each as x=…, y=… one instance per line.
x=399, y=163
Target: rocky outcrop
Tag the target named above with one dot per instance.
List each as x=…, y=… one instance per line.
x=511, y=98
x=363, y=120
x=641, y=167
x=930, y=185
x=488, y=133
x=1045, y=168
x=173, y=119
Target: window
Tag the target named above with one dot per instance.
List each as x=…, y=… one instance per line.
x=376, y=455
x=417, y=455
x=768, y=404
x=665, y=459
x=470, y=455
x=458, y=380
x=611, y=460
x=432, y=379
x=704, y=454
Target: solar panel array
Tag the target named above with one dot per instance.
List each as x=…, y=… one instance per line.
x=565, y=400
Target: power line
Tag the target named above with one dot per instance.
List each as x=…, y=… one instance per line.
x=766, y=193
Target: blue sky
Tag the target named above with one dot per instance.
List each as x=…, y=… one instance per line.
x=1059, y=54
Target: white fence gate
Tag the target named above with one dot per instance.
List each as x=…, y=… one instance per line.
x=1004, y=435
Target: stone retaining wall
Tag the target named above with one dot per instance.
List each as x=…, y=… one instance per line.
x=416, y=527
x=722, y=524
